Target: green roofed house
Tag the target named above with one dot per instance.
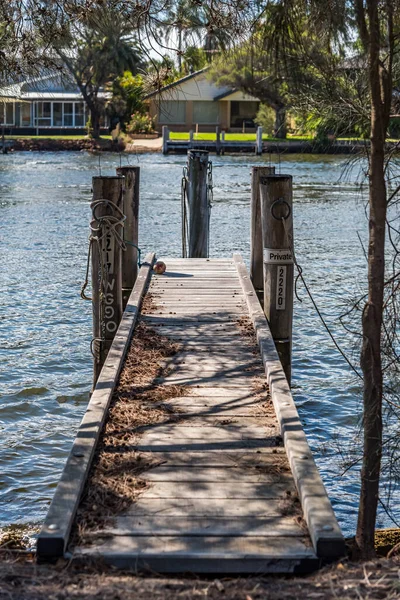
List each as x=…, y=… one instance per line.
x=48, y=105
x=195, y=101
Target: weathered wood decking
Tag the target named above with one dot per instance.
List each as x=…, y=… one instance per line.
x=223, y=496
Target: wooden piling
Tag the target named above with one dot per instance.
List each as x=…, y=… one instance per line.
x=218, y=140
x=277, y=236
x=197, y=204
x=259, y=145
x=165, y=139
x=107, y=235
x=256, y=246
x=130, y=209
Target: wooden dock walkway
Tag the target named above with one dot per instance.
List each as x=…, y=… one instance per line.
x=235, y=488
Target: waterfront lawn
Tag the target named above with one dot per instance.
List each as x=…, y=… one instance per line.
x=236, y=137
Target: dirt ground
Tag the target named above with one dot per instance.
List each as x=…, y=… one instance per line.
x=25, y=580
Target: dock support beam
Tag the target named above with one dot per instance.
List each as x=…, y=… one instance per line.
x=256, y=245
x=165, y=139
x=106, y=235
x=130, y=209
x=277, y=237
x=196, y=210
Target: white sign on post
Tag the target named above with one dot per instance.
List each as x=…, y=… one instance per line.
x=279, y=257
x=273, y=256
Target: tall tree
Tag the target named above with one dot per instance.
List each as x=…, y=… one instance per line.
x=95, y=46
x=183, y=19
x=246, y=68
x=378, y=28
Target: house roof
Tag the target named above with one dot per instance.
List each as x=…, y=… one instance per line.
x=175, y=83
x=197, y=86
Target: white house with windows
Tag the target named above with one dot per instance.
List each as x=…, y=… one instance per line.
x=195, y=102
x=46, y=105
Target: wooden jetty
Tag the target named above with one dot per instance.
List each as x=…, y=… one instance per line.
x=222, y=497
x=219, y=146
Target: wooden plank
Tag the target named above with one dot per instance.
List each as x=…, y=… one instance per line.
x=173, y=443
x=269, y=456
x=210, y=507
x=228, y=490
x=204, y=554
x=54, y=535
x=211, y=475
x=202, y=526
x=214, y=408
x=212, y=379
x=325, y=532
x=220, y=319
x=218, y=420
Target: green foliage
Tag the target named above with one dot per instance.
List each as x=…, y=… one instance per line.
x=266, y=118
x=394, y=127
x=140, y=123
x=127, y=98
x=89, y=128
x=193, y=60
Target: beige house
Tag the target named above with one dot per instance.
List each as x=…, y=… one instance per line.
x=195, y=102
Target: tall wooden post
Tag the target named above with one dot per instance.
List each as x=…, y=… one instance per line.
x=197, y=204
x=218, y=140
x=256, y=245
x=130, y=209
x=107, y=233
x=259, y=146
x=277, y=236
x=165, y=139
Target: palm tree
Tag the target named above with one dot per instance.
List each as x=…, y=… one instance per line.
x=183, y=18
x=96, y=51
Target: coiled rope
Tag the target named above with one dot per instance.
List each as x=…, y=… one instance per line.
x=101, y=226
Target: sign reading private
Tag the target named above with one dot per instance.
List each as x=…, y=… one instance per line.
x=272, y=256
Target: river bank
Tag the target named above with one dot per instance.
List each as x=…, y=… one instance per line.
x=26, y=580
x=141, y=146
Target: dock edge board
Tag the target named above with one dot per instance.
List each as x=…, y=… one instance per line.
x=53, y=538
x=325, y=533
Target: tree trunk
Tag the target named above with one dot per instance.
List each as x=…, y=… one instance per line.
x=371, y=362
x=95, y=121
x=280, y=123
x=179, y=48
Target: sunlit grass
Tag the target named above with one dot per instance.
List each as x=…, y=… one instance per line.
x=234, y=137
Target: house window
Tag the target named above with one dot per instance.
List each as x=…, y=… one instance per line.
x=79, y=114
x=43, y=114
x=26, y=115
x=172, y=111
x=57, y=114
x=68, y=114
x=7, y=113
x=205, y=112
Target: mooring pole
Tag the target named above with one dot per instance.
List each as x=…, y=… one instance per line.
x=256, y=245
x=165, y=139
x=130, y=209
x=217, y=140
x=197, y=206
x=107, y=243
x=277, y=236
x=259, y=144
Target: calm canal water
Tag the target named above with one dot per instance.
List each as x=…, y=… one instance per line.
x=45, y=328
